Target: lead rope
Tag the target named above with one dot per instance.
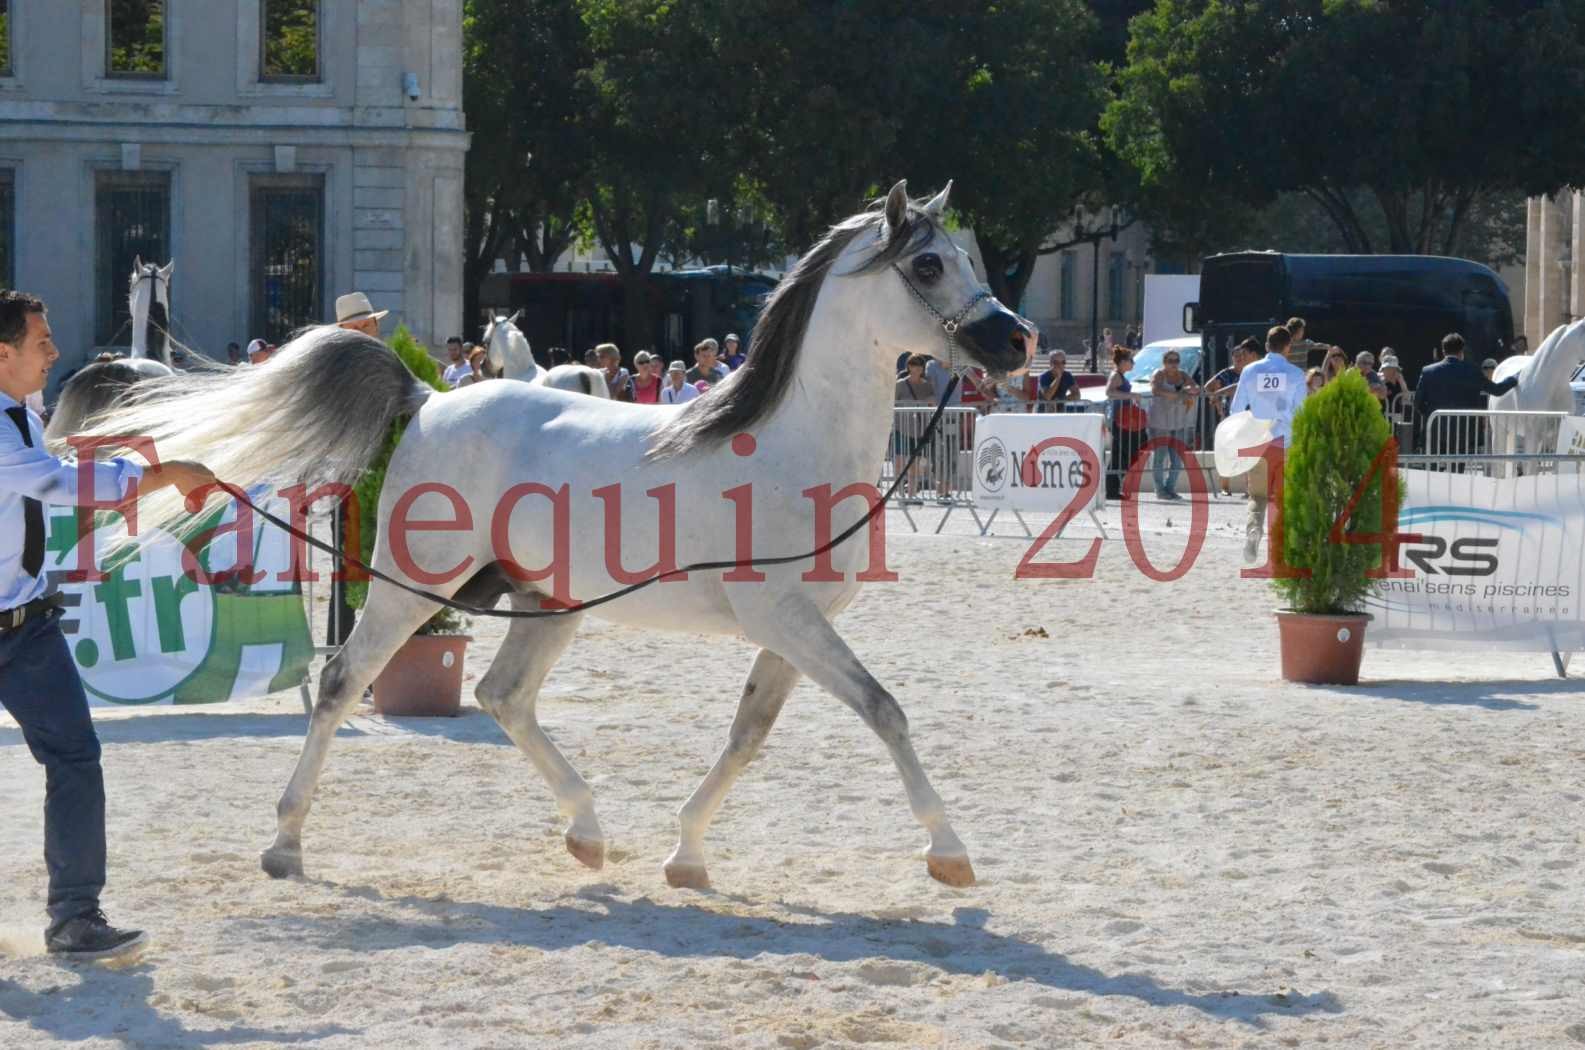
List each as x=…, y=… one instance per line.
x=702, y=566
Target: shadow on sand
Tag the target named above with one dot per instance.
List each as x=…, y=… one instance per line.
x=962, y=946
x=1493, y=696
x=172, y=724
x=96, y=1003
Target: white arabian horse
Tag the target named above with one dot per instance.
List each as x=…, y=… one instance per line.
x=569, y=503
x=1543, y=387
x=511, y=357
x=96, y=386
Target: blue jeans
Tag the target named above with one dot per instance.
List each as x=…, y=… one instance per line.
x=1165, y=462
x=40, y=688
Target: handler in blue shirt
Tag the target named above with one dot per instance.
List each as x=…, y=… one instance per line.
x=39, y=684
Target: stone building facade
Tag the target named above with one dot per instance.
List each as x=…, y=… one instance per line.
x=282, y=152
x=1554, y=277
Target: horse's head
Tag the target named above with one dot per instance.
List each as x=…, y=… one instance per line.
x=933, y=302
x=504, y=342
x=151, y=278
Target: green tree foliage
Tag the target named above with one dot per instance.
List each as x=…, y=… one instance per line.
x=5, y=36
x=291, y=38
x=1337, y=435
x=137, y=37
x=523, y=91
x=367, y=490
x=1002, y=96
x=663, y=123
x=1012, y=119
x=1421, y=104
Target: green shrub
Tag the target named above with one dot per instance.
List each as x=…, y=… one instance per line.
x=1337, y=435
x=422, y=365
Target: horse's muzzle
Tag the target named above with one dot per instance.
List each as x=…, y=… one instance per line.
x=997, y=341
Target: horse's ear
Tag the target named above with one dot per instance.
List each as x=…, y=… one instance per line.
x=516, y=318
x=897, y=206
x=938, y=204
x=137, y=264
x=168, y=269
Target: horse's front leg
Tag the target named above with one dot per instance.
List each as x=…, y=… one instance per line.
x=769, y=682
x=795, y=627
x=390, y=618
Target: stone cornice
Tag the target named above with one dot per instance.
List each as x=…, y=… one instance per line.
x=155, y=113
x=206, y=126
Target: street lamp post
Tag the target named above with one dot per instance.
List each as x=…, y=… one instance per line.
x=1093, y=236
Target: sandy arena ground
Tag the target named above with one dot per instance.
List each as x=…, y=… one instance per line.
x=1174, y=848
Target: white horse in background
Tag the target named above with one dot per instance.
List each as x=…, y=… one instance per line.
x=97, y=385
x=150, y=301
x=1543, y=387
x=578, y=495
x=511, y=357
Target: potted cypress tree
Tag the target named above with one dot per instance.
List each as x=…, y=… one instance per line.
x=425, y=675
x=1338, y=479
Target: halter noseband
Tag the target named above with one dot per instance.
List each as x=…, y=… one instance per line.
x=949, y=325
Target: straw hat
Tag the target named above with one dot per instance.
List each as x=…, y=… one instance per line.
x=355, y=306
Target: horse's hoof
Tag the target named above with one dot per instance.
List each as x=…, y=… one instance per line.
x=953, y=871
x=590, y=853
x=687, y=876
x=281, y=863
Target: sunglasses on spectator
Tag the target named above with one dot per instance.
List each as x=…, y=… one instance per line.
x=1171, y=360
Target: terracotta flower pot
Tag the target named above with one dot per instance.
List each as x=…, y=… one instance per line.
x=424, y=677
x=1321, y=649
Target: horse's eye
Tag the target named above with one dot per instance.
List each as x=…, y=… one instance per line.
x=927, y=267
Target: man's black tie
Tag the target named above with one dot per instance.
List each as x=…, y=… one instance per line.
x=32, y=509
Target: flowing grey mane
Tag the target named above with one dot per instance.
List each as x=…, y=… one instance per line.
x=755, y=390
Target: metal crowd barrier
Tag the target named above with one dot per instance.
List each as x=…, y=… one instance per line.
x=943, y=474
x=1473, y=432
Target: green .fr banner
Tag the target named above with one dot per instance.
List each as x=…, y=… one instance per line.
x=150, y=633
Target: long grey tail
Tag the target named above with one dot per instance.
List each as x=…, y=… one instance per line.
x=318, y=411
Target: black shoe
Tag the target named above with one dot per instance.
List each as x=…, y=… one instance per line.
x=90, y=936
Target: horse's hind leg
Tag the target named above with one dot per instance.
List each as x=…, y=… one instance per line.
x=509, y=691
x=769, y=682
x=796, y=628
x=391, y=616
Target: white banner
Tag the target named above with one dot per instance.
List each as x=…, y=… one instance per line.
x=1571, y=438
x=149, y=633
x=1005, y=476
x=1501, y=564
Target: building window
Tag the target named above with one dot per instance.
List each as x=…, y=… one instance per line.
x=5, y=38
x=289, y=40
x=288, y=257
x=1116, y=290
x=135, y=38
x=1069, y=304
x=8, y=225
x=132, y=215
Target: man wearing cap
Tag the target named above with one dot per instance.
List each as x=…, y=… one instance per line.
x=1392, y=378
x=39, y=683
x=355, y=312
x=1273, y=388
x=729, y=350
x=677, y=389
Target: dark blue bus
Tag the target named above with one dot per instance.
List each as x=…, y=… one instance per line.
x=579, y=310
x=1357, y=302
